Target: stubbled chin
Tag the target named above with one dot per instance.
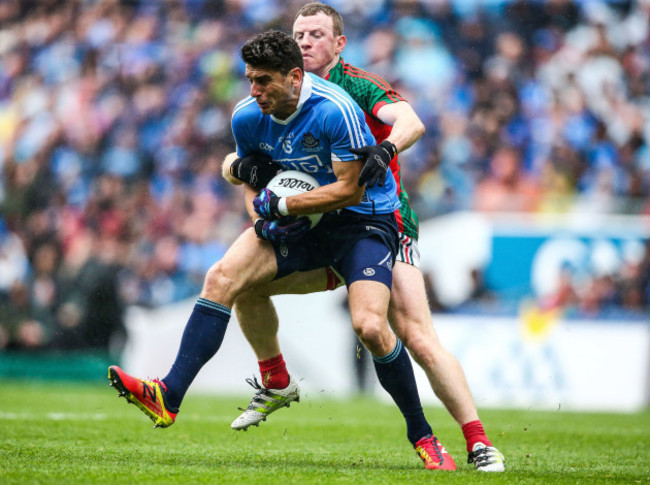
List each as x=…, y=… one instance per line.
x=312, y=66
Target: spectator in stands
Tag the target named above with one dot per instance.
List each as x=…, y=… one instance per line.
x=23, y=326
x=506, y=188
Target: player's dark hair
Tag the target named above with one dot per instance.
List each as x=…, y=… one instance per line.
x=274, y=51
x=314, y=8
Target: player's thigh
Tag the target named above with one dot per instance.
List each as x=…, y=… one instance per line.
x=249, y=261
x=368, y=301
x=298, y=283
x=409, y=314
x=408, y=294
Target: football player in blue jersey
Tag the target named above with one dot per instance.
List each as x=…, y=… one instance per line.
x=318, y=30
x=357, y=235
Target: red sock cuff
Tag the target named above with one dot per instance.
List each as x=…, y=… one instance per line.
x=272, y=362
x=274, y=372
x=474, y=433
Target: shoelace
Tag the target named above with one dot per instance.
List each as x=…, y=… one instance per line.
x=431, y=444
x=482, y=456
x=255, y=385
x=259, y=391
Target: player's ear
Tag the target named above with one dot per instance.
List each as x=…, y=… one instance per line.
x=296, y=76
x=341, y=40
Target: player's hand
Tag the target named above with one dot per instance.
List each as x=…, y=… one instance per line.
x=256, y=170
x=266, y=205
x=282, y=230
x=377, y=158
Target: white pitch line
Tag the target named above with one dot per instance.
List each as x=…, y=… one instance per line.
x=193, y=417
x=53, y=416
x=8, y=416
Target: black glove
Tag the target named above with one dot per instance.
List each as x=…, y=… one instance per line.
x=377, y=158
x=256, y=170
x=282, y=230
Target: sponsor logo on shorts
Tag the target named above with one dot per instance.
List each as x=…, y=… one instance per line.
x=369, y=272
x=284, y=250
x=375, y=228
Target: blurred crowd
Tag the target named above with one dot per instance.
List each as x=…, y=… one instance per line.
x=115, y=116
x=623, y=292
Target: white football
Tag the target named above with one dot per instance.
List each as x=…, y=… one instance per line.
x=294, y=182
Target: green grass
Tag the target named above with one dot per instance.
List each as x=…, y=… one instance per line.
x=67, y=433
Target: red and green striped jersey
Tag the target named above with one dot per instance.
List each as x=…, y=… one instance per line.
x=371, y=92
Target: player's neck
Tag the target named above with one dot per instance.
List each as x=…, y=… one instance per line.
x=325, y=71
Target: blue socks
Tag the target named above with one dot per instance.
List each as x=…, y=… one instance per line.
x=201, y=340
x=395, y=374
x=204, y=334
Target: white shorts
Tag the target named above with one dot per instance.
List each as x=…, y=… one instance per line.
x=408, y=250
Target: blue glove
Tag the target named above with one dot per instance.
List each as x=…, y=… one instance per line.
x=282, y=230
x=266, y=205
x=377, y=159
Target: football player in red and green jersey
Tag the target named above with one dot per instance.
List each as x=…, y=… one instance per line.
x=318, y=30
x=375, y=96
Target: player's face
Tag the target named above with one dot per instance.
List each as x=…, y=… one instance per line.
x=275, y=93
x=319, y=46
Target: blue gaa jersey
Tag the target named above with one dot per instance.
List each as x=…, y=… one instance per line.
x=325, y=125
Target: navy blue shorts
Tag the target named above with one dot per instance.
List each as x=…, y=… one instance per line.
x=358, y=246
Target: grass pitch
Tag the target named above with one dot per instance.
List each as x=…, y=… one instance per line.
x=67, y=433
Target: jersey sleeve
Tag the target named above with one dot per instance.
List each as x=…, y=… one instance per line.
x=242, y=132
x=370, y=91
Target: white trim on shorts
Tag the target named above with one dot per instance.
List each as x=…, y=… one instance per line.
x=408, y=250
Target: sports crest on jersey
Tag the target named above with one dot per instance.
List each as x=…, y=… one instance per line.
x=310, y=143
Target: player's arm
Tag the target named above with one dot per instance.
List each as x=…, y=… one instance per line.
x=342, y=125
x=342, y=193
x=226, y=167
x=247, y=164
x=407, y=126
x=249, y=194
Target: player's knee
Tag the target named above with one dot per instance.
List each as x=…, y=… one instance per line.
x=219, y=284
x=245, y=298
x=414, y=336
x=420, y=347
x=369, y=329
x=415, y=332
x=425, y=347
